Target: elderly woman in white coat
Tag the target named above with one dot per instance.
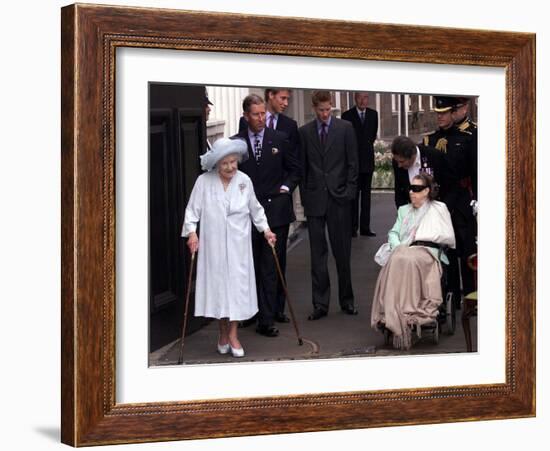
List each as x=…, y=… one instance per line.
x=408, y=289
x=224, y=203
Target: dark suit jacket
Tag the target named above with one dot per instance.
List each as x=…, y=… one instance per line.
x=329, y=170
x=284, y=124
x=366, y=135
x=278, y=166
x=443, y=176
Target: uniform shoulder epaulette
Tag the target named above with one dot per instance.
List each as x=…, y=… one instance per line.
x=466, y=125
x=466, y=132
x=426, y=139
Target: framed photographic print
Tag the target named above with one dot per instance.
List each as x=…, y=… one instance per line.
x=116, y=62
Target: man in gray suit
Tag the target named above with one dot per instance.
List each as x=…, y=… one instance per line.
x=330, y=165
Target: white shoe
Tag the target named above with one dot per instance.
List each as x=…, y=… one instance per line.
x=223, y=349
x=237, y=352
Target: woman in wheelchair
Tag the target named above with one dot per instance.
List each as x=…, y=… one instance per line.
x=408, y=289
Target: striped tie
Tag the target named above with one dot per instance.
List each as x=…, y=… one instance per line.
x=257, y=148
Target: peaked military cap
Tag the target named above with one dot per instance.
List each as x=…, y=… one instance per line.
x=445, y=103
x=206, y=99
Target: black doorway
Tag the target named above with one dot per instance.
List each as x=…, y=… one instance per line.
x=177, y=136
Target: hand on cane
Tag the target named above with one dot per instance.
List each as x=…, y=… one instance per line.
x=270, y=237
x=193, y=242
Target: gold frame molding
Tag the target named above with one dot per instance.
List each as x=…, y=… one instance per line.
x=90, y=36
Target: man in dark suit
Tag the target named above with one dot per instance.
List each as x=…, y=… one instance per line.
x=409, y=160
x=276, y=100
x=329, y=151
x=275, y=172
x=365, y=124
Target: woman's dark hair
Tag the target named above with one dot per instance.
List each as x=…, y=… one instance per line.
x=428, y=180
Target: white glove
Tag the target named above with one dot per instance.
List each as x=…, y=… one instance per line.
x=475, y=207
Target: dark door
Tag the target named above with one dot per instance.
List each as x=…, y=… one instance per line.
x=177, y=136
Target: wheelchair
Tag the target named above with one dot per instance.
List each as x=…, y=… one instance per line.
x=446, y=317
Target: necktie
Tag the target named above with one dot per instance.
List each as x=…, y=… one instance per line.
x=323, y=133
x=362, y=117
x=271, y=121
x=257, y=148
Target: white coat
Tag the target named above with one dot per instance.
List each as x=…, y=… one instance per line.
x=226, y=285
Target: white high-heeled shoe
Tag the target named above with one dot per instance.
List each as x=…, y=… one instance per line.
x=223, y=349
x=237, y=352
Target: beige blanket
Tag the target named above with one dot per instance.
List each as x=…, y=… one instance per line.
x=407, y=293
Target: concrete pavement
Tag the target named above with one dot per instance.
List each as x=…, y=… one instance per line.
x=337, y=335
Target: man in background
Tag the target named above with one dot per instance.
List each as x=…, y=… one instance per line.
x=365, y=124
x=459, y=148
x=463, y=122
x=409, y=159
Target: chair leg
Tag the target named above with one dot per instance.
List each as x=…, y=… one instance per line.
x=466, y=313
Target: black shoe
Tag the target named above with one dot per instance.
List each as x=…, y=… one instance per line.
x=316, y=314
x=267, y=331
x=282, y=318
x=350, y=310
x=368, y=233
x=247, y=322
x=354, y=234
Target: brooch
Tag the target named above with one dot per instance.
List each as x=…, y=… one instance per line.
x=274, y=150
x=242, y=186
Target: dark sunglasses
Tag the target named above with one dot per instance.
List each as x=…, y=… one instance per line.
x=417, y=188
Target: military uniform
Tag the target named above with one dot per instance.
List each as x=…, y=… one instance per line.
x=469, y=127
x=460, y=151
x=459, y=144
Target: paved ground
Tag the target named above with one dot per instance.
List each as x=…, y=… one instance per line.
x=337, y=335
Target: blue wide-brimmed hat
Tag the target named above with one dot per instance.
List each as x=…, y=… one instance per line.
x=221, y=149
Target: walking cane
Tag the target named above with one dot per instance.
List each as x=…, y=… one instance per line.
x=283, y=284
x=180, y=360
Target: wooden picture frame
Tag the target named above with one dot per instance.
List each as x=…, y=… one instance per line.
x=90, y=36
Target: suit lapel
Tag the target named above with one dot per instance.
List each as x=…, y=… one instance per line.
x=267, y=146
x=250, y=164
x=357, y=119
x=278, y=125
x=314, y=137
x=331, y=134
x=249, y=145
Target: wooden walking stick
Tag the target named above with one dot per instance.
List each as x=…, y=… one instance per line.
x=180, y=360
x=283, y=284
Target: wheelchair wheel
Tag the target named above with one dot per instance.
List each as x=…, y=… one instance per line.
x=435, y=335
x=387, y=337
x=450, y=311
